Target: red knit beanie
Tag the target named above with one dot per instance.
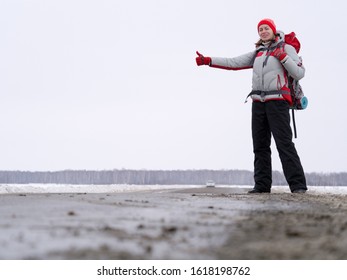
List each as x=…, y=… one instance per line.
x=269, y=22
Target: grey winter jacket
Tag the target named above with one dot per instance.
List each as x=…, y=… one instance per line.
x=270, y=76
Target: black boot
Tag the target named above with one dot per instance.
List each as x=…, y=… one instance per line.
x=258, y=191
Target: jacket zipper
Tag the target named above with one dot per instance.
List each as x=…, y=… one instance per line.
x=262, y=98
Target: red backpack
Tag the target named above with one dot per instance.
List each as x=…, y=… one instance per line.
x=291, y=39
x=300, y=101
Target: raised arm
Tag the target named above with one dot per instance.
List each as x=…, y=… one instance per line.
x=237, y=63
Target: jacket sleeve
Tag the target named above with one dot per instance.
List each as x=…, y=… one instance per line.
x=293, y=64
x=237, y=63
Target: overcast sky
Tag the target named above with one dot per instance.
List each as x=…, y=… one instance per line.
x=102, y=84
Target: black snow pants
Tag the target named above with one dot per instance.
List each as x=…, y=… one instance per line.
x=272, y=117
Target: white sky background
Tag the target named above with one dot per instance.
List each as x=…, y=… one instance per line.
x=101, y=84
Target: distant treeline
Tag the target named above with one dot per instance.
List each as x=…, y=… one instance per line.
x=159, y=177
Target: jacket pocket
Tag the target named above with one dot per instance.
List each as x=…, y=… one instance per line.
x=287, y=97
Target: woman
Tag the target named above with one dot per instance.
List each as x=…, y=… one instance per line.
x=272, y=62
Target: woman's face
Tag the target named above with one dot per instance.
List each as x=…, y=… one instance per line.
x=266, y=33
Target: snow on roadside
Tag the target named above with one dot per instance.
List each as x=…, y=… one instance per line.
x=67, y=188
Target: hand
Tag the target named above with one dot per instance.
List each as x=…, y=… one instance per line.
x=279, y=53
x=202, y=60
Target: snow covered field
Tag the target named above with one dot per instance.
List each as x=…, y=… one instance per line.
x=61, y=188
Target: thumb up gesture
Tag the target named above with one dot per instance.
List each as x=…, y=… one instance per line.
x=202, y=60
